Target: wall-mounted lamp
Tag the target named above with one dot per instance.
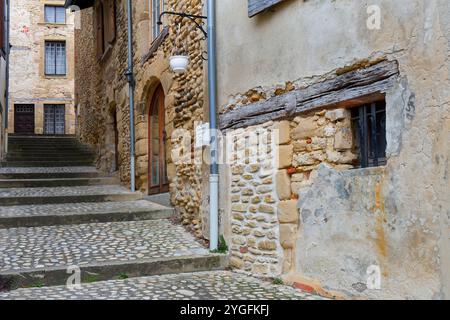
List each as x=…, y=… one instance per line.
x=180, y=63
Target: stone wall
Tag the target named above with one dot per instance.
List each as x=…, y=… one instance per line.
x=416, y=224
x=28, y=82
x=270, y=164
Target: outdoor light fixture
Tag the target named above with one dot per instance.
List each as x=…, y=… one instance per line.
x=179, y=63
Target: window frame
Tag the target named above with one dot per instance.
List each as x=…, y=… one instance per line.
x=55, y=7
x=156, y=29
x=55, y=74
x=105, y=25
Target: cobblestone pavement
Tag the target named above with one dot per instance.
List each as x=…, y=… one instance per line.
x=78, y=208
x=86, y=244
x=217, y=285
x=9, y=170
x=63, y=191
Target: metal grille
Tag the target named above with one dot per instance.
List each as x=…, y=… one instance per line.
x=369, y=124
x=55, y=58
x=54, y=119
x=24, y=108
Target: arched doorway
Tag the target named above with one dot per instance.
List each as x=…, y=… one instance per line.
x=157, y=164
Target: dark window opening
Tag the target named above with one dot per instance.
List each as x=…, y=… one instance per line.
x=369, y=131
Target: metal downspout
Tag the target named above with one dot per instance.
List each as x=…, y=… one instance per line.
x=131, y=84
x=212, y=91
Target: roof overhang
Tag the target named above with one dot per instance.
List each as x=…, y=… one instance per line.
x=82, y=4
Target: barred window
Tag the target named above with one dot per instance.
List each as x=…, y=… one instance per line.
x=369, y=125
x=55, y=58
x=55, y=14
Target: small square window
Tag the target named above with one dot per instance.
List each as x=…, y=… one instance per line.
x=55, y=14
x=369, y=131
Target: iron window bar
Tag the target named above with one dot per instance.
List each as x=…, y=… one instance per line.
x=370, y=130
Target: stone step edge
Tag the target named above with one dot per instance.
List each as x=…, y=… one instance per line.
x=42, y=175
x=22, y=200
x=75, y=218
x=58, y=182
x=57, y=276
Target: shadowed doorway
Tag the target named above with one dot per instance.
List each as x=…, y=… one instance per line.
x=157, y=166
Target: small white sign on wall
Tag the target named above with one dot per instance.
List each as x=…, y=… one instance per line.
x=202, y=136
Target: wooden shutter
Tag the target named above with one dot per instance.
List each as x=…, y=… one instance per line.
x=99, y=28
x=258, y=6
x=110, y=20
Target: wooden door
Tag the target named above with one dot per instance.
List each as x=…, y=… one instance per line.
x=24, y=118
x=157, y=166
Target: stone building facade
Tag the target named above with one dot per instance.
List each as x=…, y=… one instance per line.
x=42, y=68
x=338, y=212
x=334, y=122
x=168, y=106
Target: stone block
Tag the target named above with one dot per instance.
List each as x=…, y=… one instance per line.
x=337, y=114
x=141, y=147
x=283, y=185
x=260, y=268
x=306, y=128
x=288, y=234
x=343, y=139
x=285, y=154
x=267, y=245
x=236, y=263
x=239, y=207
x=266, y=208
x=282, y=132
x=141, y=130
x=287, y=260
x=288, y=212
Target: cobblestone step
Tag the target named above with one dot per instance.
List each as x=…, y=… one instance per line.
x=39, y=159
x=48, y=172
x=47, y=155
x=81, y=213
x=62, y=163
x=213, y=285
x=103, y=251
x=51, y=195
x=58, y=182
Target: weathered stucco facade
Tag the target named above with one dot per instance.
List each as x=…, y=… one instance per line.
x=102, y=100
x=337, y=224
x=30, y=84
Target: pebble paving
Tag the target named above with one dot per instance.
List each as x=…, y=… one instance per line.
x=63, y=191
x=78, y=208
x=216, y=285
x=89, y=244
x=10, y=170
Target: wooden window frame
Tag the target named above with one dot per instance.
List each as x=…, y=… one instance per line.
x=55, y=74
x=105, y=26
x=54, y=22
x=154, y=16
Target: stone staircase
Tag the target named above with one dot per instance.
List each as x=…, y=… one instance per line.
x=57, y=211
